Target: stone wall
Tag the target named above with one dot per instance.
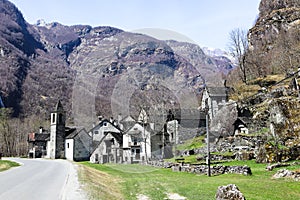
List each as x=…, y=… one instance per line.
x=202, y=169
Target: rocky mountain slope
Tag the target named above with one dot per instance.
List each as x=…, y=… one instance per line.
x=274, y=39
x=268, y=104
x=96, y=69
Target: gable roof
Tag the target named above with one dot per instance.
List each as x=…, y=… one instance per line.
x=242, y=120
x=133, y=132
x=38, y=137
x=74, y=132
x=127, y=119
x=102, y=123
x=117, y=136
x=217, y=91
x=70, y=131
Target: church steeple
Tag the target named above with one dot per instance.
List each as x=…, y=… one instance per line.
x=57, y=132
x=59, y=106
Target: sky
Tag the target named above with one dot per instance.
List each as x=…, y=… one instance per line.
x=207, y=22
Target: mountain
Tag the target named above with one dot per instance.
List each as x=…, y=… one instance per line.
x=274, y=39
x=224, y=61
x=96, y=70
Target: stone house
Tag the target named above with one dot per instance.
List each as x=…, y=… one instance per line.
x=214, y=98
x=108, y=149
x=104, y=126
x=240, y=126
x=77, y=144
x=37, y=143
x=106, y=146
x=137, y=143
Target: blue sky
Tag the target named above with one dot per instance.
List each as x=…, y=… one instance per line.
x=207, y=22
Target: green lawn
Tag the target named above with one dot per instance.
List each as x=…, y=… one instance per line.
x=5, y=165
x=155, y=183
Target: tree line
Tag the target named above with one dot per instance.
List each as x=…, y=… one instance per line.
x=14, y=132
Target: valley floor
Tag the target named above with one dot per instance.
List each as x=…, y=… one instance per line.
x=145, y=182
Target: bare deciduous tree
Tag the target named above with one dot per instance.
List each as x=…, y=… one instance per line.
x=14, y=132
x=238, y=46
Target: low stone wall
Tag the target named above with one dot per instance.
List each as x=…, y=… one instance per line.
x=215, y=170
x=284, y=173
x=203, y=169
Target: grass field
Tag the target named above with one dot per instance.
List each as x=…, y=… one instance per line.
x=128, y=181
x=5, y=165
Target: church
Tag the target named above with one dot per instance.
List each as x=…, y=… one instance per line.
x=61, y=141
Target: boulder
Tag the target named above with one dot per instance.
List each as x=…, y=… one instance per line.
x=284, y=173
x=230, y=191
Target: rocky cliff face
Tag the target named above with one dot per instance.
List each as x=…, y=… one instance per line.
x=275, y=17
x=89, y=68
x=268, y=6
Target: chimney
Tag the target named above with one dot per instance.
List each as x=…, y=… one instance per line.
x=119, y=117
x=100, y=118
x=41, y=130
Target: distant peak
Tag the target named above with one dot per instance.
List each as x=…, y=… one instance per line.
x=41, y=22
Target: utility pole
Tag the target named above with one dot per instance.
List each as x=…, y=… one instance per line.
x=208, y=146
x=163, y=135
x=161, y=110
x=175, y=136
x=145, y=138
x=207, y=136
x=144, y=120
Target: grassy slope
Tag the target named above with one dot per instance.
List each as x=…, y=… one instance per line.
x=5, y=165
x=136, y=179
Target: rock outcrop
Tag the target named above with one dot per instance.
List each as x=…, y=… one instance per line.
x=274, y=17
x=230, y=191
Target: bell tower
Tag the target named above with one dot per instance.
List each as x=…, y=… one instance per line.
x=57, y=132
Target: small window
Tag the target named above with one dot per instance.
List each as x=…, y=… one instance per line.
x=53, y=118
x=68, y=145
x=105, y=124
x=96, y=132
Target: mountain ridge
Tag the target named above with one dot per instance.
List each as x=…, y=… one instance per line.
x=51, y=56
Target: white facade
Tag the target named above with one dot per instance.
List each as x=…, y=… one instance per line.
x=69, y=149
x=52, y=143
x=97, y=133
x=136, y=144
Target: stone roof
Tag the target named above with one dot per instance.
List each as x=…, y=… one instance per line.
x=71, y=133
x=35, y=137
x=217, y=91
